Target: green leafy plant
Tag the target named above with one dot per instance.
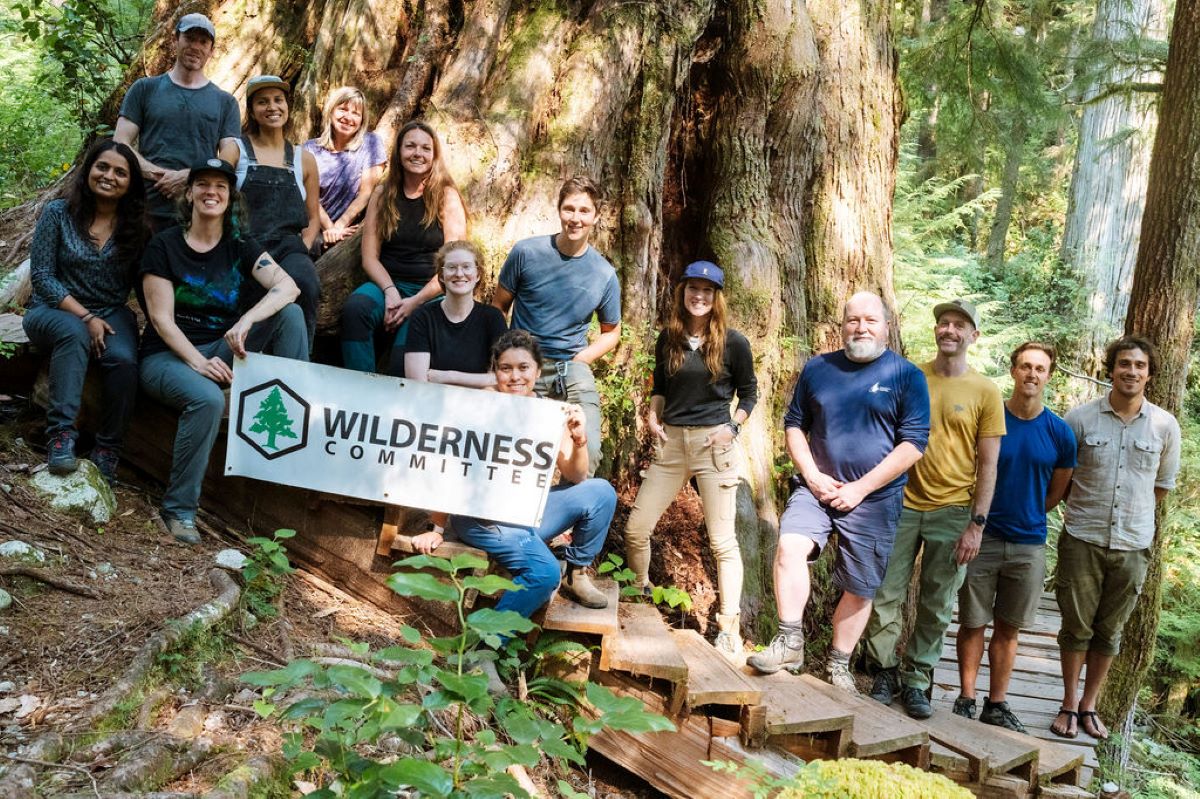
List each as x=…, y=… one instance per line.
x=424, y=697
x=264, y=571
x=670, y=596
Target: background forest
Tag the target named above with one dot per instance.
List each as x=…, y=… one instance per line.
x=1024, y=162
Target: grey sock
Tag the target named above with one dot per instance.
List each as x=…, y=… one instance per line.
x=793, y=633
x=839, y=657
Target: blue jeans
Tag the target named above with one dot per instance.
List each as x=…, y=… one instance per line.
x=70, y=346
x=362, y=318
x=201, y=402
x=588, y=506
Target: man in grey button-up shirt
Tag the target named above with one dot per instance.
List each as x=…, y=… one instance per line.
x=1128, y=460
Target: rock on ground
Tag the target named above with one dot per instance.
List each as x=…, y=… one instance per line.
x=84, y=491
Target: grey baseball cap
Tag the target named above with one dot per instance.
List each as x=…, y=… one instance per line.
x=961, y=306
x=189, y=22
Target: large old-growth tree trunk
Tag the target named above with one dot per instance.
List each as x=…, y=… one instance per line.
x=759, y=133
x=1112, y=165
x=1166, y=287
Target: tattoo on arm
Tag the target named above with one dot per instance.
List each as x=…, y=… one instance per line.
x=263, y=262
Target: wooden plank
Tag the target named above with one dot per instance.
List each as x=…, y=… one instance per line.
x=793, y=706
x=711, y=679
x=1002, y=786
x=1055, y=763
x=878, y=730
x=979, y=743
x=643, y=645
x=949, y=763
x=563, y=614
x=1064, y=792
x=1035, y=686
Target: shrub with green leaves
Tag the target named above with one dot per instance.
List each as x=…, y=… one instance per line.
x=425, y=697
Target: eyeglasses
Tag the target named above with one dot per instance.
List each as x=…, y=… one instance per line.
x=466, y=269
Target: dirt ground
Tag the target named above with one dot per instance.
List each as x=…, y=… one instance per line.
x=60, y=650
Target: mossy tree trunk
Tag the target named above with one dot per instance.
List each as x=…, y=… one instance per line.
x=759, y=133
x=1162, y=305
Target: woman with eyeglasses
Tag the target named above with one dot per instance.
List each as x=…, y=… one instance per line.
x=451, y=341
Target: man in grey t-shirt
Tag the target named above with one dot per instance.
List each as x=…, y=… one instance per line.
x=557, y=282
x=178, y=118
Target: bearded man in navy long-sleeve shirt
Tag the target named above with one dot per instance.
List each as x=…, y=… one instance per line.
x=859, y=418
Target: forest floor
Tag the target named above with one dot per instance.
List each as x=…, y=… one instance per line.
x=60, y=651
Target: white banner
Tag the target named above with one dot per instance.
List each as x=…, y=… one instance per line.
x=443, y=448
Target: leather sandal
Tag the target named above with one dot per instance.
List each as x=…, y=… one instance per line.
x=1095, y=720
x=1072, y=720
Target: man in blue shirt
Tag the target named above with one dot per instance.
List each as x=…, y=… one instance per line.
x=859, y=418
x=558, y=282
x=1004, y=582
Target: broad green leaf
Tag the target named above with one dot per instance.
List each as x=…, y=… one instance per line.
x=425, y=562
x=490, y=584
x=498, y=622
x=567, y=792
x=426, y=777
x=469, y=687
x=305, y=707
x=495, y=786
x=356, y=680
x=264, y=709
x=398, y=717
x=624, y=712
x=425, y=586
x=410, y=634
x=467, y=562
x=285, y=533
x=558, y=748
x=293, y=673
x=404, y=655
x=520, y=726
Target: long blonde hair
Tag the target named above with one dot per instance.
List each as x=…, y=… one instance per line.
x=436, y=185
x=340, y=96
x=713, y=349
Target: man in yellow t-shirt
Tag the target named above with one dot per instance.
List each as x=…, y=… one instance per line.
x=946, y=503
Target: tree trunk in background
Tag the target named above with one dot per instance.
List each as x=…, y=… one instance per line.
x=1014, y=152
x=1166, y=287
x=1112, y=166
x=762, y=134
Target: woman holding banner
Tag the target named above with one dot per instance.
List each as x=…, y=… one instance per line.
x=700, y=366
x=193, y=279
x=585, y=504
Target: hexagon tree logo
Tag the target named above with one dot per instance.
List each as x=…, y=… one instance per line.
x=273, y=419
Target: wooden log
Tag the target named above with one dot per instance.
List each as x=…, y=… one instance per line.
x=340, y=272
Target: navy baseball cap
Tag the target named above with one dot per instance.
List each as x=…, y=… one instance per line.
x=213, y=165
x=705, y=270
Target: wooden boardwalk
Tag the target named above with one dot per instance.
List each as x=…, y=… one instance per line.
x=1035, y=692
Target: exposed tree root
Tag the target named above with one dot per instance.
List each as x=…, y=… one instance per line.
x=202, y=617
x=161, y=760
x=243, y=780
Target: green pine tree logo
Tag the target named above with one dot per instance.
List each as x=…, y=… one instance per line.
x=272, y=418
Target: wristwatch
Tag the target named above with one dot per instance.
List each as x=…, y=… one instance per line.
x=979, y=519
x=735, y=427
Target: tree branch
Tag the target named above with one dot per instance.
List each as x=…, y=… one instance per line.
x=41, y=575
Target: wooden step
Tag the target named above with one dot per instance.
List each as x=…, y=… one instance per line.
x=563, y=614
x=950, y=764
x=643, y=645
x=878, y=732
x=1056, y=763
x=987, y=752
x=711, y=679
x=801, y=720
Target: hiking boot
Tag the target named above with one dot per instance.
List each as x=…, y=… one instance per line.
x=885, y=686
x=965, y=707
x=579, y=587
x=729, y=637
x=784, y=652
x=60, y=453
x=916, y=704
x=838, y=674
x=106, y=459
x=183, y=530
x=998, y=714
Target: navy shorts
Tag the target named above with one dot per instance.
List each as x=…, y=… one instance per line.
x=865, y=535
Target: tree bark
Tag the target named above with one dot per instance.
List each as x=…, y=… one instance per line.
x=1166, y=287
x=1013, y=155
x=1108, y=185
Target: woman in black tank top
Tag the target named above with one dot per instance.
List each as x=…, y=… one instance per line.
x=414, y=211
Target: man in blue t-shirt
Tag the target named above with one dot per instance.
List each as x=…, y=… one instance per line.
x=859, y=418
x=178, y=119
x=1004, y=582
x=554, y=284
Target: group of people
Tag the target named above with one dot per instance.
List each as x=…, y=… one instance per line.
x=926, y=464
x=215, y=217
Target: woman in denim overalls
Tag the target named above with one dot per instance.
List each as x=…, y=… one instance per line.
x=280, y=184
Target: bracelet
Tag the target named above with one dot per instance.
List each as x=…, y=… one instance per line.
x=88, y=317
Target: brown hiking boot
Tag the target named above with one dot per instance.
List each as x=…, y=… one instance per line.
x=579, y=586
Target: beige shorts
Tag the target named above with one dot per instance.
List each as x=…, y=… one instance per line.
x=1004, y=581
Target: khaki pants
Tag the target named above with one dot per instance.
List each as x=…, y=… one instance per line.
x=681, y=456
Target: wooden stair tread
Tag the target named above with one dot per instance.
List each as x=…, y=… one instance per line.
x=877, y=729
x=712, y=680
x=643, y=645
x=794, y=707
x=1054, y=759
x=998, y=754
x=567, y=616
x=950, y=763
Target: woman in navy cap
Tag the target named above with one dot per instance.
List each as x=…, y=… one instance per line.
x=281, y=187
x=700, y=366
x=193, y=279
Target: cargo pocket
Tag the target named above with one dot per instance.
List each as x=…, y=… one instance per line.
x=729, y=492
x=722, y=457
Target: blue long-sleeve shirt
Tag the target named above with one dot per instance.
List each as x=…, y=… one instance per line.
x=62, y=262
x=854, y=414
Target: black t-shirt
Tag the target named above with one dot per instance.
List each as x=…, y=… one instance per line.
x=408, y=253
x=690, y=399
x=209, y=286
x=464, y=346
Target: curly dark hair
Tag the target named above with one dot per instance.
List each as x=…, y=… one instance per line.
x=516, y=340
x=130, y=232
x=1133, y=342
